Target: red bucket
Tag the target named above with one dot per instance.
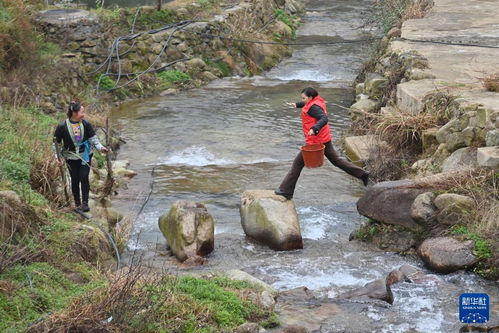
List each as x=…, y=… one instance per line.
x=313, y=155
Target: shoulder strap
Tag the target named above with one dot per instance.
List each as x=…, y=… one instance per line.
x=71, y=132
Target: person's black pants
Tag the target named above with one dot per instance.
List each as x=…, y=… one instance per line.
x=289, y=183
x=79, y=174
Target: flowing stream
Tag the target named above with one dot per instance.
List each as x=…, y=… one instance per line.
x=212, y=143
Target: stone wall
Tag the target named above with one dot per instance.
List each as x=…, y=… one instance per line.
x=449, y=74
x=198, y=53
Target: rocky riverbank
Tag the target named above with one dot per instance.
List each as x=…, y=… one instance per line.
x=430, y=119
x=131, y=53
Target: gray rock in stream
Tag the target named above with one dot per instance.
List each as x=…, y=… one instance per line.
x=447, y=254
x=188, y=229
x=270, y=220
x=390, y=202
x=377, y=289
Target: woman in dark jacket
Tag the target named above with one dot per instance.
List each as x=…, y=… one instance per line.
x=78, y=138
x=316, y=130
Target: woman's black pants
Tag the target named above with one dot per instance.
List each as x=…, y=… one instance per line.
x=79, y=174
x=289, y=183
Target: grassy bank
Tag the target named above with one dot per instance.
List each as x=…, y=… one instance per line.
x=54, y=266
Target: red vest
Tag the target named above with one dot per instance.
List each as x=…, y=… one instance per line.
x=307, y=121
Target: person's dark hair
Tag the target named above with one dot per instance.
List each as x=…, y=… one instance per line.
x=310, y=92
x=73, y=107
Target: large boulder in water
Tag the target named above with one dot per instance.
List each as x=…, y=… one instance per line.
x=447, y=254
x=189, y=229
x=270, y=219
x=390, y=202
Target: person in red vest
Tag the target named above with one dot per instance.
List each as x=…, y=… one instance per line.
x=316, y=130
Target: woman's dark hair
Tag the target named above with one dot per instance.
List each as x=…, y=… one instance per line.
x=73, y=107
x=310, y=92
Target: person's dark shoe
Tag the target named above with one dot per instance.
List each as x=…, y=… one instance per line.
x=85, y=208
x=286, y=195
x=365, y=178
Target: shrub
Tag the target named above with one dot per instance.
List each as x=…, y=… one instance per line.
x=173, y=76
x=18, y=42
x=104, y=82
x=491, y=82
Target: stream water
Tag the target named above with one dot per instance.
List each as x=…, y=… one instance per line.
x=212, y=143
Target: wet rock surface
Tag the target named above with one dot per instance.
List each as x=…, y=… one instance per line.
x=189, y=230
x=447, y=254
x=271, y=220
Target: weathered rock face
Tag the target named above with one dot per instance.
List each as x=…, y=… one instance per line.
x=395, y=241
x=452, y=207
x=488, y=157
x=375, y=85
x=391, y=202
x=238, y=275
x=271, y=220
x=461, y=159
x=188, y=229
x=248, y=328
x=447, y=254
x=423, y=211
x=359, y=148
x=363, y=105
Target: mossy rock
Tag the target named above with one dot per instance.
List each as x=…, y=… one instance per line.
x=189, y=230
x=271, y=220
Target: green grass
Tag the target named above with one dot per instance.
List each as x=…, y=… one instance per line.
x=105, y=82
x=25, y=137
x=207, y=4
x=49, y=52
x=228, y=310
x=366, y=232
x=38, y=289
x=290, y=21
x=220, y=65
x=482, y=246
x=154, y=19
x=173, y=76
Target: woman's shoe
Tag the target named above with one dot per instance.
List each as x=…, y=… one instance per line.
x=85, y=208
x=286, y=195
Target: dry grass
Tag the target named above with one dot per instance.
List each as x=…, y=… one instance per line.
x=417, y=9
x=19, y=225
x=99, y=311
x=399, y=143
x=136, y=300
x=46, y=180
x=491, y=82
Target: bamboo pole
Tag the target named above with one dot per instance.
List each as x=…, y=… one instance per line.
x=62, y=170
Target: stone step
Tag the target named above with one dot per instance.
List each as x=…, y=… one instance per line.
x=411, y=95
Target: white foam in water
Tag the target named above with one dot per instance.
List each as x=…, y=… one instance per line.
x=317, y=75
x=201, y=156
x=403, y=328
x=374, y=314
x=136, y=244
x=315, y=222
x=194, y=156
x=315, y=279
